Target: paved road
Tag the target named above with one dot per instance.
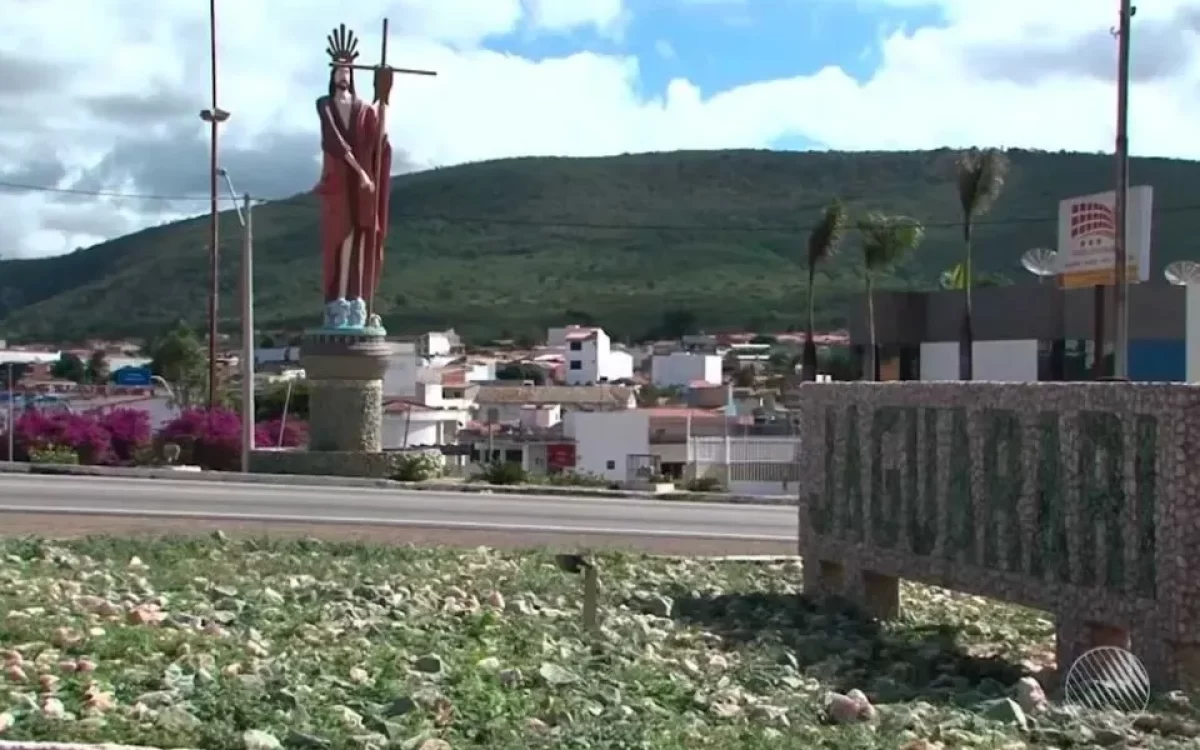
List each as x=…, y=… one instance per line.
x=353, y=506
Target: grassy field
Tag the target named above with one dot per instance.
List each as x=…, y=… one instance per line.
x=215, y=643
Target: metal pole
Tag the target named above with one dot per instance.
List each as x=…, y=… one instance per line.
x=287, y=404
x=247, y=336
x=214, y=221
x=12, y=418
x=1121, y=285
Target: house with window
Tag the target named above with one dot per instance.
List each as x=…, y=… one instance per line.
x=589, y=356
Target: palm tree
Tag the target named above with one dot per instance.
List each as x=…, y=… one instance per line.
x=885, y=241
x=980, y=181
x=823, y=242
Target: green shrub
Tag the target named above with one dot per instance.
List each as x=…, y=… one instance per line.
x=705, y=484
x=577, y=479
x=416, y=467
x=502, y=472
x=54, y=454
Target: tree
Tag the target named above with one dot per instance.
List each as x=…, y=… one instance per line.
x=179, y=358
x=744, y=377
x=885, y=242
x=674, y=324
x=980, y=181
x=522, y=371
x=97, y=367
x=270, y=403
x=823, y=242
x=18, y=370
x=69, y=367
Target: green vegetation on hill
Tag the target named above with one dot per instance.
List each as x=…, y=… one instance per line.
x=710, y=239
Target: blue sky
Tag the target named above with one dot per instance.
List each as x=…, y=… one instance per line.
x=721, y=44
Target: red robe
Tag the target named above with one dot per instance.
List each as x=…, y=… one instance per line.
x=345, y=206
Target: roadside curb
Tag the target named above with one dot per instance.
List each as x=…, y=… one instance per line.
x=9, y=467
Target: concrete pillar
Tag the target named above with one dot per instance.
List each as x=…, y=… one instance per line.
x=345, y=372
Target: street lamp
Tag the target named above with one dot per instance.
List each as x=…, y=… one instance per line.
x=245, y=219
x=214, y=116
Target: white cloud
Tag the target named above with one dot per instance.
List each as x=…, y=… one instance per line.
x=943, y=86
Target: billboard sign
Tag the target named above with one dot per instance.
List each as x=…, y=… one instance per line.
x=1087, y=230
x=132, y=376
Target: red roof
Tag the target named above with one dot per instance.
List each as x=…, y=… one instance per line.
x=681, y=412
x=402, y=405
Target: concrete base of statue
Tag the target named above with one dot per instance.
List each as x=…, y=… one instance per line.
x=345, y=369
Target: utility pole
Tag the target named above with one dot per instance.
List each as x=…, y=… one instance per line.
x=247, y=336
x=1121, y=201
x=214, y=116
x=12, y=415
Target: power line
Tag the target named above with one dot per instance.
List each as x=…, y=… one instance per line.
x=573, y=224
x=4, y=185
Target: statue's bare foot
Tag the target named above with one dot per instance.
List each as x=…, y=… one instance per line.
x=357, y=316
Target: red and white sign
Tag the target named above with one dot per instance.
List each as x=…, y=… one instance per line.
x=560, y=456
x=1087, y=231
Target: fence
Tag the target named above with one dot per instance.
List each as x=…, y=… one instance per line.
x=745, y=459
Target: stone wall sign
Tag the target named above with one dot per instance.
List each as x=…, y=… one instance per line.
x=1082, y=499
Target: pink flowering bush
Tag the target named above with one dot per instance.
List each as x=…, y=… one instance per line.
x=80, y=433
x=130, y=433
x=295, y=434
x=124, y=436
x=214, y=440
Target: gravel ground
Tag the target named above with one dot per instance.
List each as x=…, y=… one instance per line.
x=66, y=526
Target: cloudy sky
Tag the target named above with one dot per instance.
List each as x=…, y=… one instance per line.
x=104, y=96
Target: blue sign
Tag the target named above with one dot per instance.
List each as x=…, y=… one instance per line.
x=132, y=376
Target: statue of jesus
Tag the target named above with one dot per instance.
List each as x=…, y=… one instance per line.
x=356, y=163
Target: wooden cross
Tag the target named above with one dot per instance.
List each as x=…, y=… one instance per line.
x=383, y=105
x=383, y=61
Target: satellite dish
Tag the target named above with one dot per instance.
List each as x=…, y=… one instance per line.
x=1040, y=261
x=1183, y=272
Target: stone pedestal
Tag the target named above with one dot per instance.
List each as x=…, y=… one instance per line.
x=345, y=372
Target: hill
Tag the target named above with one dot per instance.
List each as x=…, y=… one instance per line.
x=506, y=247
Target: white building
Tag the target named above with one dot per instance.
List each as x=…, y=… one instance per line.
x=609, y=444
x=425, y=420
x=1001, y=361
x=508, y=404
x=438, y=343
x=681, y=369
x=591, y=359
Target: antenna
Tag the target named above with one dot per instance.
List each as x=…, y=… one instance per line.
x=1040, y=261
x=1183, y=272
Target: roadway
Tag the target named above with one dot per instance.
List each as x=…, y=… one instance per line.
x=732, y=527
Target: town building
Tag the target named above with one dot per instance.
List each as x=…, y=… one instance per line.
x=1031, y=333
x=684, y=369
